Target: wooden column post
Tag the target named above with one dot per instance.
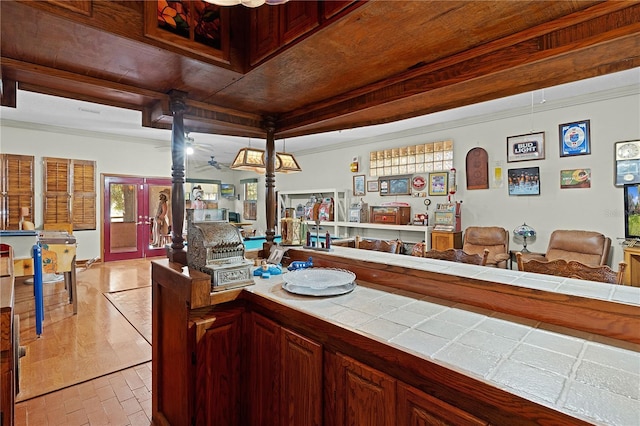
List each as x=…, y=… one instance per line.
x=270, y=180
x=178, y=106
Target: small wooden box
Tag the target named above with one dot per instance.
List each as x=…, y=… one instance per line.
x=444, y=240
x=392, y=215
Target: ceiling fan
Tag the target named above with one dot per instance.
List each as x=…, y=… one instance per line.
x=214, y=163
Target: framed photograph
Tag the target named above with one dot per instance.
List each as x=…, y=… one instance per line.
x=524, y=181
x=372, y=186
x=575, y=139
x=525, y=147
x=438, y=183
x=395, y=185
x=358, y=185
x=627, y=155
x=575, y=178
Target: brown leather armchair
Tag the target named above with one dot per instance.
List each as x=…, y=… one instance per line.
x=588, y=247
x=493, y=238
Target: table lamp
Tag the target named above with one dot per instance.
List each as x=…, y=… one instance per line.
x=525, y=231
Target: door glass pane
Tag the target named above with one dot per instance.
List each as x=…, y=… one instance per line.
x=160, y=217
x=123, y=213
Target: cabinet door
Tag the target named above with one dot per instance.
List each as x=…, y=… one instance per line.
x=365, y=396
x=218, y=369
x=264, y=32
x=416, y=408
x=330, y=8
x=263, y=391
x=446, y=240
x=301, y=400
x=298, y=17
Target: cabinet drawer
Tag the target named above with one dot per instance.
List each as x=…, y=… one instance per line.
x=385, y=218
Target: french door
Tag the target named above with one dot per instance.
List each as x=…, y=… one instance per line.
x=137, y=217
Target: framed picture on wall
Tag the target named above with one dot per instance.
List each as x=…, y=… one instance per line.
x=524, y=181
x=575, y=139
x=395, y=185
x=525, y=147
x=358, y=185
x=575, y=178
x=372, y=186
x=438, y=183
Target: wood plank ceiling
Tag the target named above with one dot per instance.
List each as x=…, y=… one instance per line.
x=364, y=63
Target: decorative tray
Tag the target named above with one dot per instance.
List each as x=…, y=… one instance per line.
x=319, y=281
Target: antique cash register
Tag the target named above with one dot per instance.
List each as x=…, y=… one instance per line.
x=216, y=248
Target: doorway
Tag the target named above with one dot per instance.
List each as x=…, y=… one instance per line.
x=137, y=217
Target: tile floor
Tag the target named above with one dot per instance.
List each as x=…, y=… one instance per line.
x=93, y=368
x=121, y=398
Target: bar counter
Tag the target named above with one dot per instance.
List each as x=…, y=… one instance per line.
x=588, y=376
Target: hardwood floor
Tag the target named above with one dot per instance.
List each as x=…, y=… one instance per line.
x=93, y=368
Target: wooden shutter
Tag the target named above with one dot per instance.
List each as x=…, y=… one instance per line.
x=17, y=188
x=69, y=192
x=57, y=187
x=84, y=195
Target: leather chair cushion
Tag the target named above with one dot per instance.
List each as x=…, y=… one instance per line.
x=493, y=238
x=485, y=236
x=590, y=248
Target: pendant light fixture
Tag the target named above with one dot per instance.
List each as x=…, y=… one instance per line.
x=247, y=3
x=285, y=162
x=249, y=159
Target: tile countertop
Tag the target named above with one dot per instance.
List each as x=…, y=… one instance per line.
x=586, y=376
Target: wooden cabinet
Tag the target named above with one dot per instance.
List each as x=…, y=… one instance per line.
x=395, y=215
x=301, y=385
x=632, y=272
x=444, y=240
x=8, y=343
x=247, y=359
x=364, y=396
x=285, y=380
x=264, y=372
x=218, y=369
x=297, y=18
x=331, y=8
x=416, y=408
x=273, y=27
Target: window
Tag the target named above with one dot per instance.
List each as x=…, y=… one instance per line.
x=251, y=191
x=69, y=192
x=250, y=204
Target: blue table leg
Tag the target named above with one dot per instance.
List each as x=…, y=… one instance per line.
x=37, y=287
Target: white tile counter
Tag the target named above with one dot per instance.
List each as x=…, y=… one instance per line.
x=584, y=375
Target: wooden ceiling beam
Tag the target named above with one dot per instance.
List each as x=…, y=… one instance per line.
x=533, y=46
x=154, y=105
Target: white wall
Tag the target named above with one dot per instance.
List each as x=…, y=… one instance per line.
x=614, y=116
x=112, y=156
